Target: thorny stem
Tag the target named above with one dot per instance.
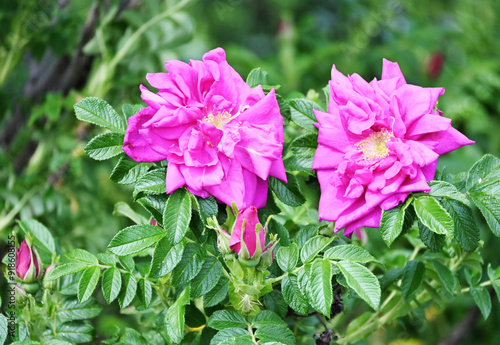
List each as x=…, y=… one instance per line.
x=250, y=330
x=378, y=319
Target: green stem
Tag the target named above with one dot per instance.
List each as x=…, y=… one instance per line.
x=5, y=221
x=378, y=319
x=486, y=283
x=11, y=55
x=250, y=330
x=137, y=34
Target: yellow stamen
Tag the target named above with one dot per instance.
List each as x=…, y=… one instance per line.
x=221, y=119
x=375, y=145
x=218, y=120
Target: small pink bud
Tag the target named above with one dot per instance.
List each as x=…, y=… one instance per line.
x=28, y=263
x=248, y=229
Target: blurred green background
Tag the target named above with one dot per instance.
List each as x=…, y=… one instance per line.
x=54, y=53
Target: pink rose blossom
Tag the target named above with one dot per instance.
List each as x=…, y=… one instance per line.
x=220, y=136
x=378, y=142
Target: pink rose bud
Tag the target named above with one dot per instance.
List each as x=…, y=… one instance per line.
x=248, y=235
x=28, y=263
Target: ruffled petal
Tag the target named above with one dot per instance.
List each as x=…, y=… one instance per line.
x=135, y=145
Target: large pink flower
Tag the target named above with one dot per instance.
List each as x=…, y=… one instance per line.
x=378, y=142
x=220, y=136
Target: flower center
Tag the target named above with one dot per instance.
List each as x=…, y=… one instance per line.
x=375, y=145
x=218, y=120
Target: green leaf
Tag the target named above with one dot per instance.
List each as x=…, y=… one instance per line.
x=145, y=292
x=177, y=215
x=391, y=224
x=217, y=294
x=448, y=191
x=302, y=113
x=302, y=150
x=433, y=241
x=288, y=193
x=284, y=108
x=174, y=318
x=194, y=317
x=349, y=252
x=489, y=184
x=135, y=238
x=75, y=332
x=111, y=284
x=130, y=110
x=232, y=336
x=275, y=227
x=190, y=264
x=155, y=205
x=274, y=302
x=105, y=146
x=124, y=209
x=267, y=317
x=128, y=290
x=3, y=328
x=127, y=171
x=207, y=208
x=313, y=246
x=88, y=282
x=320, y=286
x=489, y=205
x=446, y=276
x=273, y=334
x=56, y=342
x=362, y=281
x=82, y=256
x=413, y=276
x=166, y=257
x=127, y=262
x=293, y=296
x=482, y=299
x=221, y=319
x=466, y=231
x=257, y=77
x=496, y=287
x=99, y=112
x=300, y=162
x=132, y=337
x=305, y=234
x=107, y=258
x=287, y=257
x=433, y=215
x=153, y=182
x=72, y=310
x=482, y=168
x=493, y=274
x=308, y=140
x=65, y=269
x=43, y=237
x=207, y=278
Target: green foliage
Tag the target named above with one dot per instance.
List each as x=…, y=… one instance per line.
x=99, y=112
x=288, y=193
x=159, y=277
